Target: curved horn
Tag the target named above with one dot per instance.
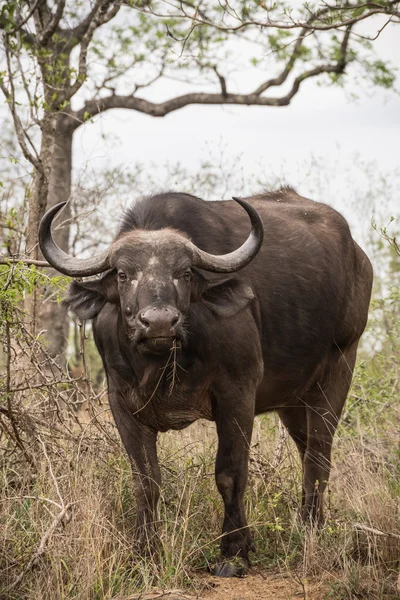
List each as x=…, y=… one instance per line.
x=69, y=265
x=236, y=260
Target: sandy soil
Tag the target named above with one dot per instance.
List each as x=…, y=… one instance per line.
x=261, y=587
x=253, y=587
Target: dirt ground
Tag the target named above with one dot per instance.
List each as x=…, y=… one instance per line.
x=253, y=587
x=262, y=587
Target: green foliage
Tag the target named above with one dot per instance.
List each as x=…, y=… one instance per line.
x=18, y=280
x=381, y=74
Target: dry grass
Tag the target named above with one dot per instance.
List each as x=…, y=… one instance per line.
x=89, y=554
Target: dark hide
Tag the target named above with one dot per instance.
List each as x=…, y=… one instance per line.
x=280, y=335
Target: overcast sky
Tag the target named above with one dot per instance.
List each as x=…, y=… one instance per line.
x=317, y=121
x=321, y=121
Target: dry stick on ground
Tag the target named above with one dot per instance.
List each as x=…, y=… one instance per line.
x=361, y=527
x=159, y=595
x=42, y=546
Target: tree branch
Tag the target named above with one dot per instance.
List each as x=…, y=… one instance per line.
x=222, y=81
x=29, y=37
x=25, y=261
x=96, y=106
x=96, y=14
x=20, y=25
x=19, y=129
x=337, y=68
x=10, y=412
x=311, y=24
x=52, y=24
x=42, y=546
x=276, y=81
x=379, y=532
x=98, y=19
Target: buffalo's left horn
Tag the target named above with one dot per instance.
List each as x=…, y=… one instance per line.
x=69, y=265
x=236, y=260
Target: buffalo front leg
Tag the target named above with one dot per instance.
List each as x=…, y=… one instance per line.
x=140, y=444
x=231, y=470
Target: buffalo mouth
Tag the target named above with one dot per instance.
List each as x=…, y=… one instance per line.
x=158, y=344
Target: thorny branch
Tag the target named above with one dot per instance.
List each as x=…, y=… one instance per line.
x=10, y=413
x=42, y=546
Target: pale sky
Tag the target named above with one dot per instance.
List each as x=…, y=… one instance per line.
x=318, y=122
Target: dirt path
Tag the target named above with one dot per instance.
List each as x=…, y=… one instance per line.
x=253, y=587
x=261, y=587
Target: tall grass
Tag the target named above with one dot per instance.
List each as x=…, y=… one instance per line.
x=67, y=522
x=90, y=555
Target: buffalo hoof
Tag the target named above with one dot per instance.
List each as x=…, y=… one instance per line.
x=235, y=568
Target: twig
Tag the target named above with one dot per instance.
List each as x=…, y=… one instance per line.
x=25, y=261
x=42, y=546
x=85, y=374
x=24, y=21
x=159, y=595
x=360, y=526
x=280, y=445
x=51, y=471
x=10, y=413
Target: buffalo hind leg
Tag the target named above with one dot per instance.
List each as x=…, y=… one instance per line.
x=231, y=470
x=324, y=403
x=295, y=421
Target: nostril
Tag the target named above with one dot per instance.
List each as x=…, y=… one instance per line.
x=175, y=321
x=144, y=321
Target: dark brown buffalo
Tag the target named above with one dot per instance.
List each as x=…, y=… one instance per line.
x=280, y=332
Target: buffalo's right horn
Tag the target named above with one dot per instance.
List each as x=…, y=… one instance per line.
x=69, y=265
x=236, y=260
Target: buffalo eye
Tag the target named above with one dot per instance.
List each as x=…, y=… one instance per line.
x=122, y=276
x=187, y=275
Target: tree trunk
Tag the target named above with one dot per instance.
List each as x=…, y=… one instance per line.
x=52, y=317
x=36, y=209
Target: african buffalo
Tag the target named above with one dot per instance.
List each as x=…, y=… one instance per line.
x=266, y=325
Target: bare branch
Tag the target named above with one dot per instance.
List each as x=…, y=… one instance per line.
x=94, y=107
x=42, y=546
x=221, y=80
x=22, y=135
x=276, y=81
x=378, y=532
x=10, y=413
x=337, y=68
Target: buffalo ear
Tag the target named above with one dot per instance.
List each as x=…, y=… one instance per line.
x=227, y=297
x=86, y=299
